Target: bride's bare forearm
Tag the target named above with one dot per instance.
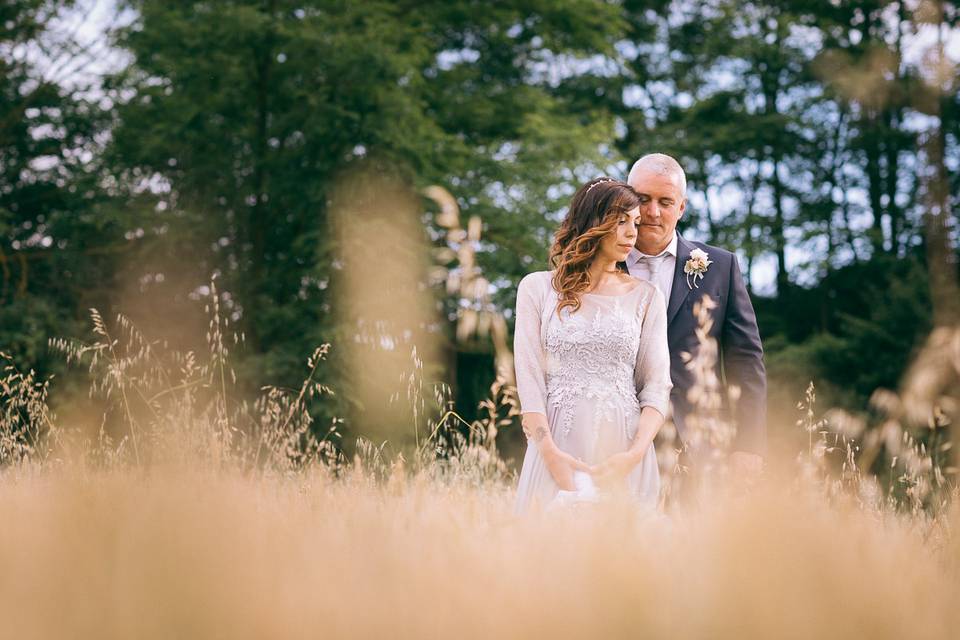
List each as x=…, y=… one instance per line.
x=559, y=464
x=648, y=425
x=537, y=430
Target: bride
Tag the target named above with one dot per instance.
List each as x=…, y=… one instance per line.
x=592, y=365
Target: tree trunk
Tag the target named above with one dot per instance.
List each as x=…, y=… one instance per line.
x=941, y=255
x=257, y=223
x=892, y=149
x=779, y=229
x=871, y=135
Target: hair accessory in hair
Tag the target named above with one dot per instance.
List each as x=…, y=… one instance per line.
x=600, y=181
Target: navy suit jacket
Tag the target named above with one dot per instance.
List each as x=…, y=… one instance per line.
x=740, y=360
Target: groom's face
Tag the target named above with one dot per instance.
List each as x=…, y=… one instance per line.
x=661, y=206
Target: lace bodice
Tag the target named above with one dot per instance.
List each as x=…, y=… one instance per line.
x=613, y=351
x=592, y=354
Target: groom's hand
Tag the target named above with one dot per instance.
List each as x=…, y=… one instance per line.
x=614, y=470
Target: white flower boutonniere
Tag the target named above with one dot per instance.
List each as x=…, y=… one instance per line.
x=696, y=266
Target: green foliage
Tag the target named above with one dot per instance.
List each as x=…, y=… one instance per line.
x=854, y=333
x=55, y=221
x=246, y=115
x=217, y=148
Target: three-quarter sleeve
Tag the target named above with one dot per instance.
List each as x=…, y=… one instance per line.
x=528, y=356
x=652, y=371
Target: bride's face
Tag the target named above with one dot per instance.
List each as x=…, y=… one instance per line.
x=617, y=244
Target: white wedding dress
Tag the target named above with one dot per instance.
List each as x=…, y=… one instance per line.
x=590, y=372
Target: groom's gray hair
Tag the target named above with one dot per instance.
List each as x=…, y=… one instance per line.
x=664, y=165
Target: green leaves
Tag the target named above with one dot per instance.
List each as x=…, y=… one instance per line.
x=235, y=121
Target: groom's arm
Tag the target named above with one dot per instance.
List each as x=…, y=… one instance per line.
x=743, y=365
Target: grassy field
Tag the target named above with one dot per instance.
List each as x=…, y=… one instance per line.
x=194, y=516
x=180, y=552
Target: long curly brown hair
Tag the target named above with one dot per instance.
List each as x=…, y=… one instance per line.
x=594, y=212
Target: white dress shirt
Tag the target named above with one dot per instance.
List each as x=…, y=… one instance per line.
x=657, y=269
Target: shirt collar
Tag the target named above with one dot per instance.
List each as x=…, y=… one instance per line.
x=635, y=254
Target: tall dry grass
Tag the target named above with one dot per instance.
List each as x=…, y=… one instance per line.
x=223, y=555
x=193, y=514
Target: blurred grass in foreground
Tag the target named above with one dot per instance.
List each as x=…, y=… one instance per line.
x=190, y=553
x=193, y=514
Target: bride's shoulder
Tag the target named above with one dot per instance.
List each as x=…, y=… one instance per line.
x=537, y=280
x=538, y=286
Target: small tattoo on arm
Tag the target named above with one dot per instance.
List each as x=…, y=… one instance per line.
x=540, y=434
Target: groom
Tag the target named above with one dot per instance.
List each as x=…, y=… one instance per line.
x=659, y=256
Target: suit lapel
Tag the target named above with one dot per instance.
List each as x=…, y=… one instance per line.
x=680, y=289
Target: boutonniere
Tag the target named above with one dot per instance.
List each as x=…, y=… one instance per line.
x=696, y=266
